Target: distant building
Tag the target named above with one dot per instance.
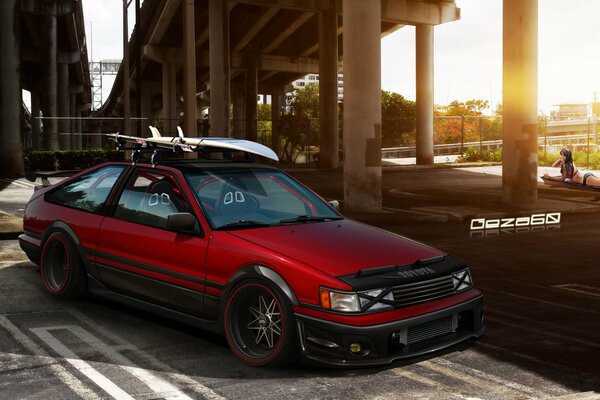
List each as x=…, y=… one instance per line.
x=573, y=110
x=312, y=78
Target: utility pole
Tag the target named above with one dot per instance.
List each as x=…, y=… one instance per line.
x=126, y=101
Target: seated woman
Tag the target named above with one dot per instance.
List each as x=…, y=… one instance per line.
x=569, y=172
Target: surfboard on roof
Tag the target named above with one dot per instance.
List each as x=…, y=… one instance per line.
x=191, y=144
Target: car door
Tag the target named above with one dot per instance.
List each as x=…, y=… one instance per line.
x=138, y=255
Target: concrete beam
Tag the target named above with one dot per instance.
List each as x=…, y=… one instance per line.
x=410, y=12
x=301, y=5
x=163, y=21
x=56, y=8
x=293, y=27
x=69, y=57
x=258, y=25
x=162, y=55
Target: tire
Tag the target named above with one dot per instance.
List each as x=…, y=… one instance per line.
x=260, y=325
x=61, y=269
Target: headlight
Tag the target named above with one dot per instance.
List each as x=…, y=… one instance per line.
x=339, y=301
x=369, y=300
x=462, y=280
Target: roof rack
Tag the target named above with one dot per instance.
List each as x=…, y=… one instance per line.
x=157, y=145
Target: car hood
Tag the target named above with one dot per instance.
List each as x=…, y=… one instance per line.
x=339, y=247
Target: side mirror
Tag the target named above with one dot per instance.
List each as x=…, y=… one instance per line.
x=335, y=204
x=182, y=221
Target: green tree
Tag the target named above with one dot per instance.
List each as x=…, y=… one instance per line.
x=264, y=123
x=300, y=126
x=398, y=119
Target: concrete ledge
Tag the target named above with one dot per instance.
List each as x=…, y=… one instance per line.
x=10, y=226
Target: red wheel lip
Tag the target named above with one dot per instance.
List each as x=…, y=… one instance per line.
x=227, y=328
x=68, y=254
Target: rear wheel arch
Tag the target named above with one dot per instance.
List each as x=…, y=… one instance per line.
x=61, y=267
x=63, y=227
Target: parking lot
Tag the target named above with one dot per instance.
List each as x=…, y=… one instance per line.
x=542, y=303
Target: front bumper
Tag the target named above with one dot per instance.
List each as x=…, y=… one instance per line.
x=324, y=342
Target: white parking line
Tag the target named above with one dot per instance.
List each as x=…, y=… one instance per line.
x=103, y=382
x=156, y=384
x=61, y=372
x=502, y=389
x=576, y=288
x=426, y=381
x=192, y=384
x=469, y=371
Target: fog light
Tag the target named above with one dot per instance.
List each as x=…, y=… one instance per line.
x=355, y=348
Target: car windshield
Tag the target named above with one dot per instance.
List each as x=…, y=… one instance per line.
x=256, y=198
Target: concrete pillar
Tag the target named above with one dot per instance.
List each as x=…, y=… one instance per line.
x=238, y=114
x=219, y=68
x=250, y=97
x=78, y=130
x=51, y=141
x=362, y=105
x=35, y=119
x=64, y=131
x=11, y=160
x=169, y=93
x=126, y=76
x=275, y=122
x=328, y=91
x=189, y=70
x=72, y=123
x=424, y=61
x=97, y=137
x=519, y=128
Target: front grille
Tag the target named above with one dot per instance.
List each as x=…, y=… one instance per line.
x=419, y=292
x=429, y=330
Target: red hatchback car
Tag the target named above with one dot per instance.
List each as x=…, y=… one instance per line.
x=246, y=250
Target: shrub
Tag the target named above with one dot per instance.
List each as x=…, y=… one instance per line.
x=69, y=159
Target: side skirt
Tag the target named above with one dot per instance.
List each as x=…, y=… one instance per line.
x=98, y=289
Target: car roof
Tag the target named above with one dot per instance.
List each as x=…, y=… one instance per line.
x=192, y=165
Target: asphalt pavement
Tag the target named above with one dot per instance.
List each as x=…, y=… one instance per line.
x=540, y=279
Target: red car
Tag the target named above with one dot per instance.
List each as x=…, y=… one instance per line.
x=245, y=250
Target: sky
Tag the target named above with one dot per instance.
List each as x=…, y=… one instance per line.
x=468, y=52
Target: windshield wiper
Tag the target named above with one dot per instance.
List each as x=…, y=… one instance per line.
x=243, y=224
x=306, y=218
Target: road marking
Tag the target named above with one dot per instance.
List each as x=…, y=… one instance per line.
x=61, y=372
x=576, y=288
x=156, y=384
x=543, y=332
x=481, y=374
x=472, y=380
x=578, y=396
x=192, y=384
x=426, y=381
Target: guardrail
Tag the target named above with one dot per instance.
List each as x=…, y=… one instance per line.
x=488, y=145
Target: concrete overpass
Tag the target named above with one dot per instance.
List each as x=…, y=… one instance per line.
x=225, y=52
x=44, y=50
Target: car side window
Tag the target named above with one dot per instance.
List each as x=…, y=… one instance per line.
x=149, y=198
x=88, y=192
